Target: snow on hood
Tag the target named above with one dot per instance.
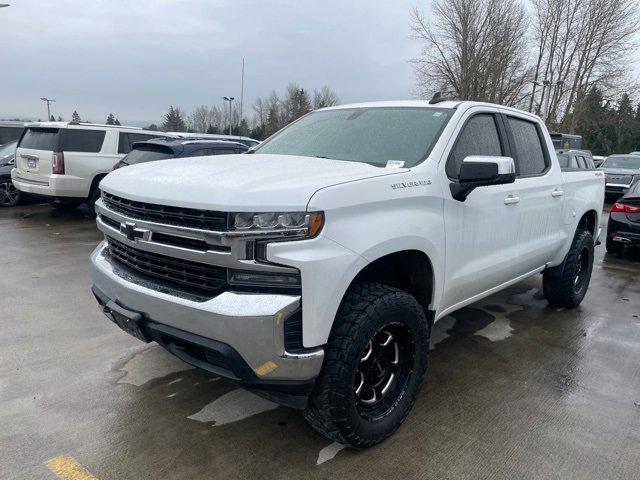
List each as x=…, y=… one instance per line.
x=236, y=182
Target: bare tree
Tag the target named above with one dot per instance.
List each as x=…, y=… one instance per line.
x=325, y=97
x=582, y=43
x=473, y=50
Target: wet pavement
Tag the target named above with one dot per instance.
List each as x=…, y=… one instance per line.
x=515, y=389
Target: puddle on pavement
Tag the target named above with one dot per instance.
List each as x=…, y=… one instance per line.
x=232, y=407
x=147, y=363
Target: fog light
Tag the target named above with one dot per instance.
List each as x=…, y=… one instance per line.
x=250, y=278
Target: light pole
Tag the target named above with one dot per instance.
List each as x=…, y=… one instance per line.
x=229, y=99
x=49, y=101
x=547, y=86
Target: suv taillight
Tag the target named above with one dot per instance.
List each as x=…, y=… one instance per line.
x=58, y=163
x=624, y=208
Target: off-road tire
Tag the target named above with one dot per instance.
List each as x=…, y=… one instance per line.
x=614, y=247
x=560, y=284
x=332, y=408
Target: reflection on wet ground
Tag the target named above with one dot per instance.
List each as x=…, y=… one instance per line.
x=515, y=389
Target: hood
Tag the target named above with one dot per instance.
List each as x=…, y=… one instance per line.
x=620, y=171
x=236, y=182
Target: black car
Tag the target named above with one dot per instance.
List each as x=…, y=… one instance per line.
x=9, y=194
x=624, y=221
x=163, y=149
x=620, y=171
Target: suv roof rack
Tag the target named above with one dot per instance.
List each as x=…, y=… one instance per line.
x=104, y=125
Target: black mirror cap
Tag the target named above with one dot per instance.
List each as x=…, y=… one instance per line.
x=478, y=172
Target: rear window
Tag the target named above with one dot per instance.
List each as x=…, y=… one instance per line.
x=40, y=139
x=148, y=153
x=126, y=140
x=77, y=140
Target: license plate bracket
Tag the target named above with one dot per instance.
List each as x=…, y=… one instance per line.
x=127, y=320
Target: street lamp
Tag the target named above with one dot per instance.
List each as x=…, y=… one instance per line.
x=547, y=84
x=229, y=99
x=49, y=101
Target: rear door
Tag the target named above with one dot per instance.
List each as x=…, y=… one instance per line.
x=34, y=155
x=540, y=233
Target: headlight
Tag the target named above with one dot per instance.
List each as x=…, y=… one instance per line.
x=285, y=224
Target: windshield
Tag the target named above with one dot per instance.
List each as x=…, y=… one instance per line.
x=622, y=161
x=369, y=135
x=8, y=149
x=148, y=153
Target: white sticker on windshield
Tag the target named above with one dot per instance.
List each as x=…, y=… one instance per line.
x=395, y=163
x=437, y=114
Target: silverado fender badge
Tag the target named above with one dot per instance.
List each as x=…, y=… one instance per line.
x=416, y=183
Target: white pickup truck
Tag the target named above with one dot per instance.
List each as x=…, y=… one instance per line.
x=313, y=270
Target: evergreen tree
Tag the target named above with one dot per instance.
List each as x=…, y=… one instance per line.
x=75, y=117
x=117, y=122
x=152, y=127
x=212, y=129
x=111, y=119
x=174, y=120
x=626, y=128
x=59, y=118
x=52, y=118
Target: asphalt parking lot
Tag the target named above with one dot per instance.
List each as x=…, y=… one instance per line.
x=514, y=389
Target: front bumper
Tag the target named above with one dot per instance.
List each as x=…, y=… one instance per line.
x=247, y=329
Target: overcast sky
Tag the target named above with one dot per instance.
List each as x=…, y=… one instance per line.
x=136, y=57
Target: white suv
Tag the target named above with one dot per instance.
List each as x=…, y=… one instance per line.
x=65, y=161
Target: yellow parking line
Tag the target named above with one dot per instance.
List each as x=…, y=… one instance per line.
x=67, y=468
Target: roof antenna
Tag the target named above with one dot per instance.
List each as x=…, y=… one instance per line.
x=437, y=98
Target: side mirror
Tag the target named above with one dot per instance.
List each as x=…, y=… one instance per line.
x=482, y=171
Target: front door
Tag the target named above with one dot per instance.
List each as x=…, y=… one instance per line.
x=481, y=232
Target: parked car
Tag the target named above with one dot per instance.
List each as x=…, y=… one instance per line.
x=63, y=162
x=634, y=153
x=624, y=221
x=620, y=171
x=249, y=142
x=163, y=149
x=598, y=159
x=10, y=131
x=312, y=270
x=575, y=159
x=9, y=194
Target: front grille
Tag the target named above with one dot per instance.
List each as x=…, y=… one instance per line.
x=191, y=277
x=151, y=212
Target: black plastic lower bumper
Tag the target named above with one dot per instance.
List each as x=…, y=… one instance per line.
x=207, y=354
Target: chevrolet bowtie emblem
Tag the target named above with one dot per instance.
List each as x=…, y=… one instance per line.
x=130, y=231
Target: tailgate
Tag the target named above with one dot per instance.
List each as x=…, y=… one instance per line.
x=34, y=155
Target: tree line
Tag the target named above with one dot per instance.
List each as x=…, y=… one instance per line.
x=551, y=57
x=269, y=115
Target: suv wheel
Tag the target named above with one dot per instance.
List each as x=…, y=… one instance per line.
x=9, y=194
x=567, y=284
x=374, y=364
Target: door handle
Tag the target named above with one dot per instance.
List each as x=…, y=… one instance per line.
x=557, y=193
x=511, y=200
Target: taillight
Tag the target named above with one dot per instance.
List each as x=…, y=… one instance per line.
x=58, y=163
x=624, y=208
